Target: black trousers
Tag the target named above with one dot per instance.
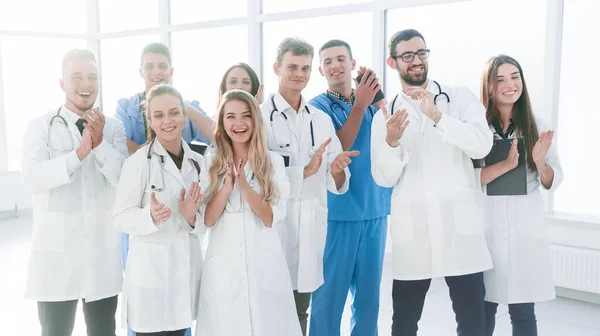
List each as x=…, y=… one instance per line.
x=58, y=318
x=302, y=303
x=163, y=333
x=467, y=293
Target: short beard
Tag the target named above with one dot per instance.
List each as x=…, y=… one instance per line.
x=82, y=108
x=410, y=81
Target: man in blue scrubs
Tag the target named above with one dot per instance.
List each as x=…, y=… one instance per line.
x=357, y=221
x=155, y=68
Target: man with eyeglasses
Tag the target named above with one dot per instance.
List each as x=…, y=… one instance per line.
x=437, y=210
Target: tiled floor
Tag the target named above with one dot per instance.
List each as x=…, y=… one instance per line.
x=18, y=316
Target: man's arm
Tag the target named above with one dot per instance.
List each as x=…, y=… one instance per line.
x=205, y=125
x=365, y=93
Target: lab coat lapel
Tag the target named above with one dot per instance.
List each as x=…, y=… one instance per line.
x=306, y=139
x=187, y=167
x=72, y=127
x=415, y=116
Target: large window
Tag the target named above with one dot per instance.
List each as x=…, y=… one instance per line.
x=578, y=116
x=63, y=16
x=185, y=11
x=32, y=69
x=317, y=31
x=120, y=69
x=462, y=36
x=118, y=15
x=274, y=6
x=201, y=57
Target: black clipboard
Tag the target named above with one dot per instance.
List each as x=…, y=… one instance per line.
x=198, y=147
x=513, y=182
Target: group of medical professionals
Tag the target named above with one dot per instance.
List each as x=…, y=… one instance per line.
x=295, y=194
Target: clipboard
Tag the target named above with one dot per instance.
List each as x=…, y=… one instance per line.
x=198, y=147
x=513, y=182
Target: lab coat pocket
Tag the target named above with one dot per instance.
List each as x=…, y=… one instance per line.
x=401, y=219
x=320, y=228
x=531, y=216
x=147, y=264
x=49, y=233
x=216, y=276
x=468, y=209
x=271, y=266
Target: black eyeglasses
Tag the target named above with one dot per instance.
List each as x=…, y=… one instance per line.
x=409, y=56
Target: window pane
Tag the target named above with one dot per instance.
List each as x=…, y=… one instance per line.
x=276, y=6
x=185, y=11
x=31, y=84
x=198, y=72
x=33, y=15
x=578, y=116
x=462, y=38
x=317, y=31
x=120, y=69
x=127, y=15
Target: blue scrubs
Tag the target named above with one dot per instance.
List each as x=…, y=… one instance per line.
x=129, y=112
x=356, y=234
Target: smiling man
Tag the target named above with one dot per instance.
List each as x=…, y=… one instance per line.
x=437, y=212
x=316, y=164
x=155, y=68
x=72, y=158
x=357, y=220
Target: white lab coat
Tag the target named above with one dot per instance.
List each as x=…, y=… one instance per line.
x=246, y=289
x=164, y=264
x=75, y=251
x=437, y=205
x=304, y=231
x=517, y=236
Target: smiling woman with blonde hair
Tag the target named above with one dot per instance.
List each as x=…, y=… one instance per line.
x=246, y=288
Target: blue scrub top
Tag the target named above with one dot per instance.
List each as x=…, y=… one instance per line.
x=129, y=112
x=364, y=199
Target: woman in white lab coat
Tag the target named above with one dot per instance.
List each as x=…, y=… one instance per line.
x=246, y=289
x=157, y=204
x=515, y=226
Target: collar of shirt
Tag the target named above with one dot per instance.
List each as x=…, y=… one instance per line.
x=497, y=129
x=178, y=160
x=350, y=101
x=72, y=116
x=295, y=117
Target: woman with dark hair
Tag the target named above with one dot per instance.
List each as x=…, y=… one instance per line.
x=242, y=77
x=516, y=225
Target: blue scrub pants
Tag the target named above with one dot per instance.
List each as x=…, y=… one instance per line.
x=353, y=261
x=124, y=250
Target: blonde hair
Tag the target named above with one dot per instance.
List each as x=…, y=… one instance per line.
x=159, y=90
x=258, y=154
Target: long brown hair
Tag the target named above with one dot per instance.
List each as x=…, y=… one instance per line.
x=159, y=90
x=258, y=154
x=522, y=114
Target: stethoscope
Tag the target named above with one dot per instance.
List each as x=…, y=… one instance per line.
x=311, y=151
x=162, y=167
x=334, y=102
x=57, y=115
x=440, y=93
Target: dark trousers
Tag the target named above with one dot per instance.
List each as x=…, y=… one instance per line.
x=58, y=318
x=163, y=333
x=522, y=318
x=466, y=291
x=302, y=303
